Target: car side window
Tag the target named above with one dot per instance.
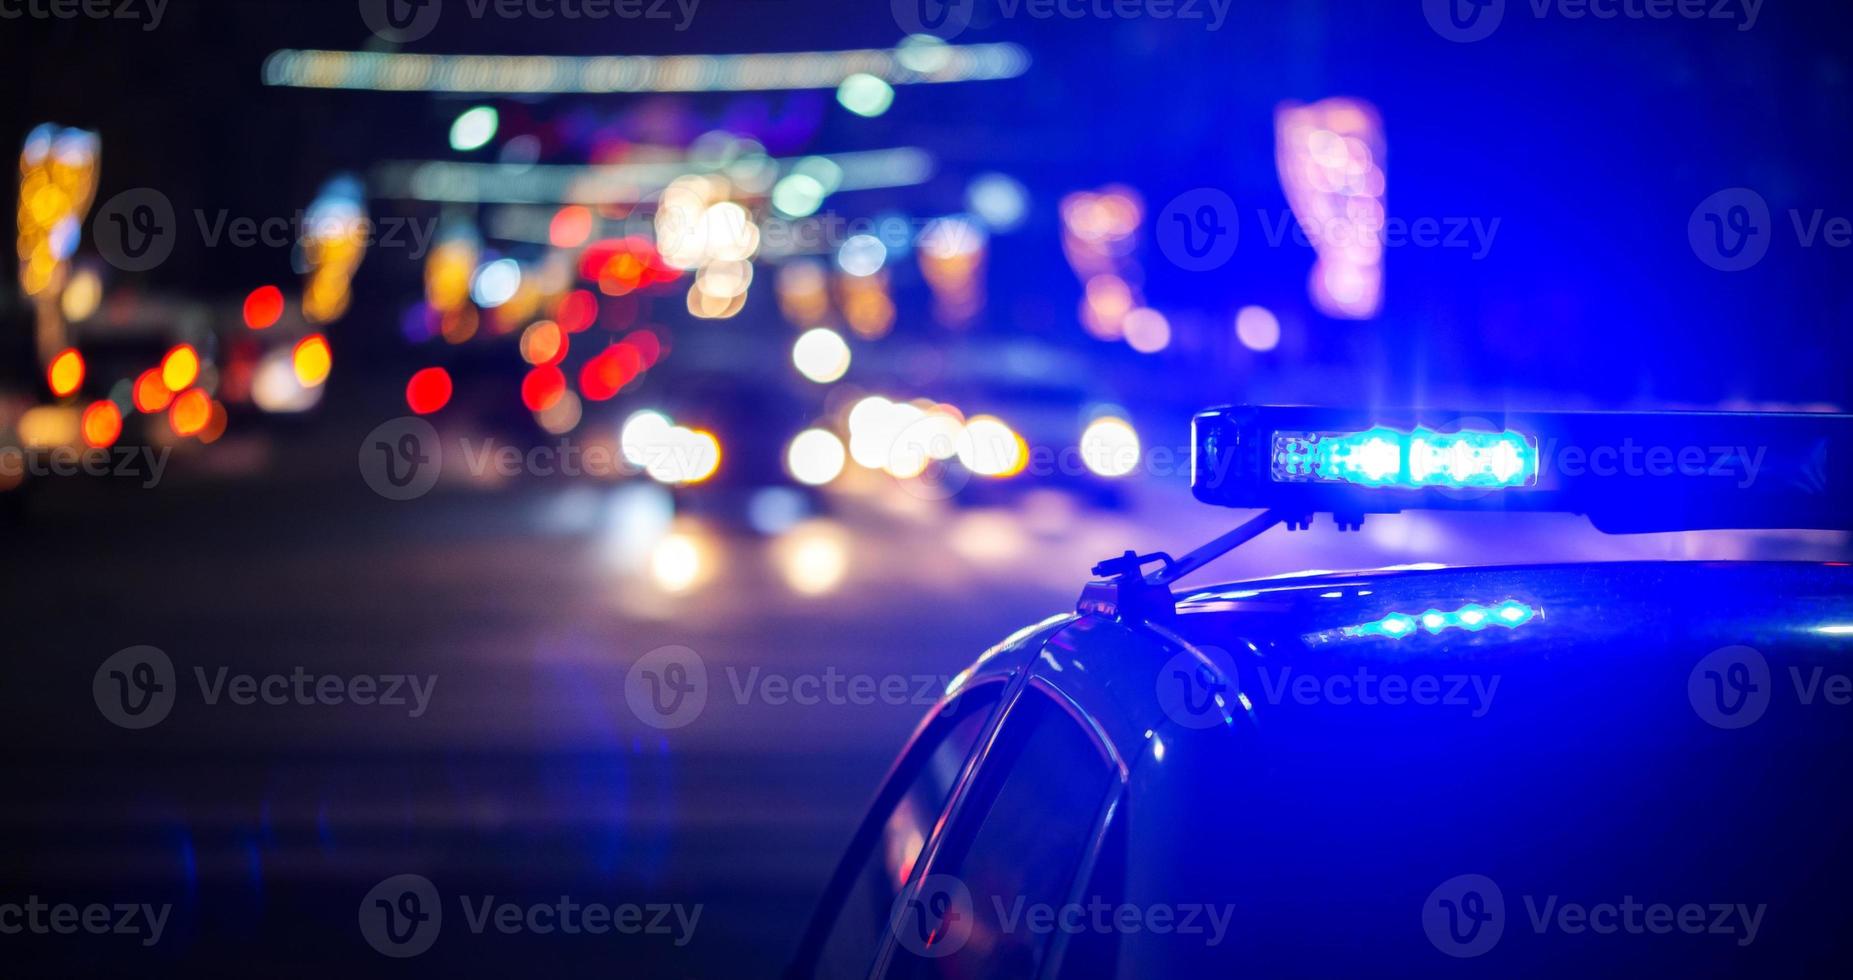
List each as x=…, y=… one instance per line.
x=1013, y=855
x=920, y=792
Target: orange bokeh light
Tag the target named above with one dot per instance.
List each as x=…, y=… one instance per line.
x=151, y=393
x=571, y=226
x=180, y=368
x=190, y=413
x=313, y=360
x=102, y=425
x=66, y=373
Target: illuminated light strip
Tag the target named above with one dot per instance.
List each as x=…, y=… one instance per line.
x=542, y=74
x=1384, y=457
x=1510, y=614
x=624, y=183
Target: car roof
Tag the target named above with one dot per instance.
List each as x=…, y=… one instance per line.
x=1642, y=610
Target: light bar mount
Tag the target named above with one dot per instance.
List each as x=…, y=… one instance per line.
x=1124, y=590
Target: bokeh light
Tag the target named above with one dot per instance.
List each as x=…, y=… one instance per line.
x=180, y=368
x=1257, y=328
x=66, y=373
x=312, y=360
x=474, y=128
x=815, y=457
x=1110, y=447
x=428, y=391
x=263, y=308
x=190, y=413
x=821, y=355
x=102, y=425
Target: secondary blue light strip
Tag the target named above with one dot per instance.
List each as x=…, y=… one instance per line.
x=1510, y=614
x=1384, y=457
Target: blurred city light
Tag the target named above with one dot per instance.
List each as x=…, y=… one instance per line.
x=815, y=457
x=102, y=425
x=1331, y=160
x=1110, y=447
x=821, y=355
x=813, y=557
x=1257, y=328
x=263, y=308
x=190, y=413
x=474, y=128
x=499, y=74
x=865, y=95
x=180, y=368
x=66, y=373
x=428, y=391
x=312, y=360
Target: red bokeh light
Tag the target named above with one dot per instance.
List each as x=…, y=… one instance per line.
x=263, y=308
x=428, y=391
x=578, y=311
x=571, y=226
x=543, y=387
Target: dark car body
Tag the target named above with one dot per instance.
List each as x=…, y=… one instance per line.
x=1644, y=767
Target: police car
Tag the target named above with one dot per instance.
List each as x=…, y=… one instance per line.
x=1589, y=769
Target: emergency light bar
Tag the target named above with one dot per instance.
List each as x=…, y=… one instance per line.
x=1628, y=471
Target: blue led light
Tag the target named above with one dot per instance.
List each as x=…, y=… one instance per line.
x=1510, y=614
x=1383, y=457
